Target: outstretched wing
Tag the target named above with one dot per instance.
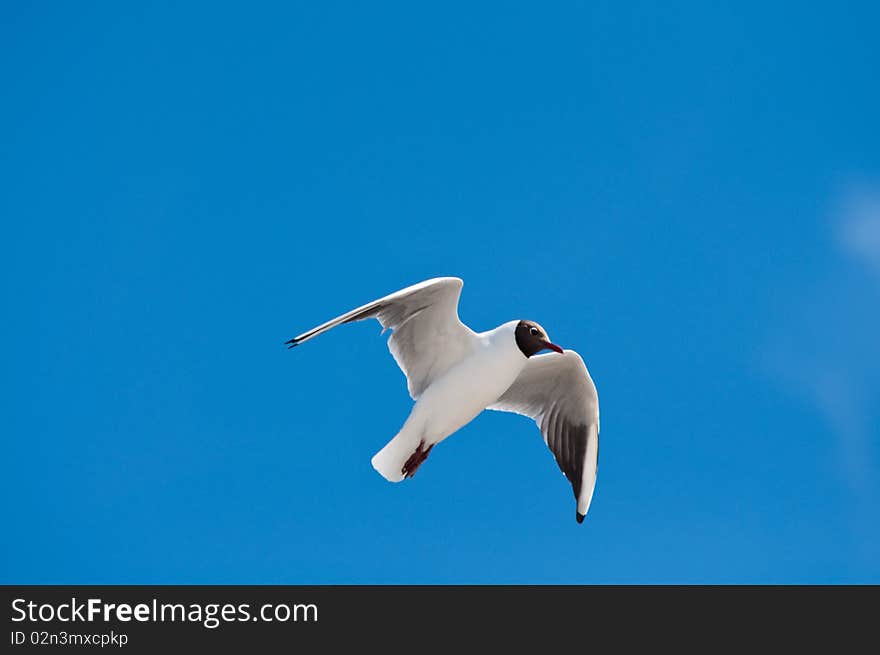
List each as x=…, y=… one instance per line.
x=557, y=391
x=427, y=339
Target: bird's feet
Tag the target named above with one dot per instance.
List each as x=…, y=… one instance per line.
x=415, y=460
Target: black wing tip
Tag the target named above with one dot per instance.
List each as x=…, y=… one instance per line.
x=580, y=517
x=293, y=343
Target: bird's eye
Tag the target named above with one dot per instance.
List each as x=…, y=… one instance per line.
x=534, y=332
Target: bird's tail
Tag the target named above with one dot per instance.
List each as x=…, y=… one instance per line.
x=389, y=461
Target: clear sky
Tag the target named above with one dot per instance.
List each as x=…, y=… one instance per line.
x=688, y=195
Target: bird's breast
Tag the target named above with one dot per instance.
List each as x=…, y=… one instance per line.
x=468, y=388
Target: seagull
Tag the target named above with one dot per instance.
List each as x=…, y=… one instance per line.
x=454, y=373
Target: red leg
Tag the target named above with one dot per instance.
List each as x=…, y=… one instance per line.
x=415, y=460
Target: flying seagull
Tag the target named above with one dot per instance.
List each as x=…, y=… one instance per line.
x=454, y=373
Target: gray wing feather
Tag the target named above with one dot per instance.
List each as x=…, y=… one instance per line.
x=558, y=393
x=427, y=336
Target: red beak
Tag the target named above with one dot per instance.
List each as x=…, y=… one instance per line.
x=553, y=346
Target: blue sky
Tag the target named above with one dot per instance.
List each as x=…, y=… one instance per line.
x=688, y=195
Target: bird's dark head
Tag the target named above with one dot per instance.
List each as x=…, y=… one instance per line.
x=531, y=338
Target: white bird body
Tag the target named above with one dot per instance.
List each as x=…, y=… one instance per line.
x=454, y=373
x=455, y=398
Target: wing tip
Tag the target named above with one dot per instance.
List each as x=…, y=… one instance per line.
x=292, y=343
x=580, y=517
